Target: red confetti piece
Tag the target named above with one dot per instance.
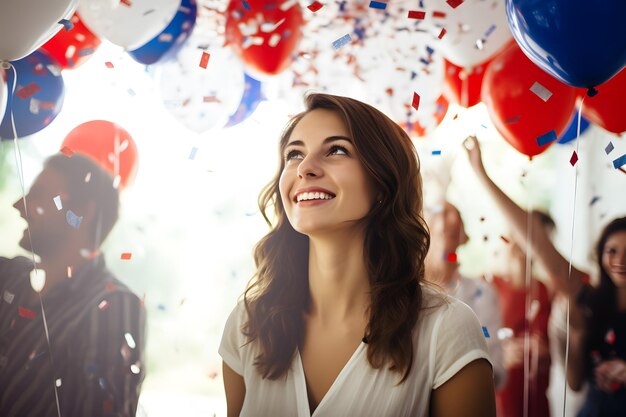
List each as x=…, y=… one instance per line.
x=414, y=14
x=574, y=158
x=610, y=337
x=67, y=151
x=204, y=61
x=126, y=256
x=505, y=239
x=452, y=257
x=26, y=313
x=315, y=6
x=126, y=3
x=442, y=33
x=28, y=90
x=439, y=14
x=211, y=99
x=455, y=3
x=416, y=101
x=109, y=64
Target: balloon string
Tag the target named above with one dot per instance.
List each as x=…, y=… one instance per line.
x=20, y=169
x=528, y=282
x=571, y=253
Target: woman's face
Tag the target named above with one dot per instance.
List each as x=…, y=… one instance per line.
x=614, y=258
x=323, y=186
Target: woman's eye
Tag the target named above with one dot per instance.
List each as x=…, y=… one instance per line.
x=610, y=251
x=338, y=150
x=292, y=154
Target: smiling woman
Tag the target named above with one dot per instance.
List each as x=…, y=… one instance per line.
x=338, y=319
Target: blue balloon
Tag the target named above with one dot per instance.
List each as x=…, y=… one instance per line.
x=579, y=42
x=252, y=97
x=167, y=43
x=38, y=96
x=571, y=132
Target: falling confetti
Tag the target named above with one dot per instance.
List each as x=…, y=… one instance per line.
x=104, y=304
x=130, y=341
x=546, y=138
x=126, y=256
x=109, y=64
x=68, y=25
x=594, y=200
x=416, y=101
x=72, y=219
x=204, y=61
x=451, y=257
x=28, y=91
x=193, y=152
x=540, y=91
x=57, y=202
x=378, y=5
x=414, y=14
x=619, y=162
x=609, y=148
x=486, y=332
x=315, y=6
x=438, y=14
x=437, y=152
x=26, y=313
x=574, y=158
x=442, y=33
x=344, y=40
x=67, y=151
x=126, y=3
x=8, y=297
x=455, y=3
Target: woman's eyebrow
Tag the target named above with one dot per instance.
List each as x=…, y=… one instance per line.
x=327, y=140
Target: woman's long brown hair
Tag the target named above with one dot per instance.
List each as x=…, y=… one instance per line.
x=396, y=242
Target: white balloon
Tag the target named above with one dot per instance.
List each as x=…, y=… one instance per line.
x=475, y=30
x=25, y=25
x=201, y=98
x=3, y=93
x=130, y=26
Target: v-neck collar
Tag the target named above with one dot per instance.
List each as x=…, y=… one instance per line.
x=302, y=397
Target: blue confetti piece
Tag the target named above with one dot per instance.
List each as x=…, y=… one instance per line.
x=72, y=219
x=344, y=40
x=193, y=152
x=486, y=332
x=483, y=126
x=436, y=152
x=67, y=24
x=246, y=5
x=161, y=307
x=490, y=30
x=609, y=148
x=430, y=50
x=619, y=162
x=594, y=200
x=546, y=138
x=424, y=61
x=378, y=5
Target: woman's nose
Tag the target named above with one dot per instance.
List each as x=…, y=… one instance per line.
x=309, y=167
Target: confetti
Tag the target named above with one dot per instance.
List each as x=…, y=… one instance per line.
x=126, y=3
x=204, y=61
x=28, y=90
x=378, y=5
x=451, y=257
x=67, y=151
x=486, y=332
x=617, y=163
x=438, y=152
x=546, y=138
x=69, y=271
x=609, y=148
x=126, y=256
x=130, y=341
x=66, y=24
x=72, y=219
x=109, y=64
x=594, y=200
x=610, y=337
x=454, y=3
x=540, y=91
x=193, y=152
x=414, y=14
x=26, y=313
x=104, y=304
x=342, y=41
x=439, y=14
x=8, y=297
x=245, y=5
x=135, y=369
x=574, y=158
x=57, y=202
x=442, y=33
x=315, y=6
x=505, y=239
x=416, y=101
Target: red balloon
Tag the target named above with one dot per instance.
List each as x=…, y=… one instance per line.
x=606, y=109
x=520, y=115
x=462, y=85
x=72, y=48
x=108, y=144
x=263, y=35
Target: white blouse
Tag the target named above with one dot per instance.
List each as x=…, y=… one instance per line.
x=446, y=337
